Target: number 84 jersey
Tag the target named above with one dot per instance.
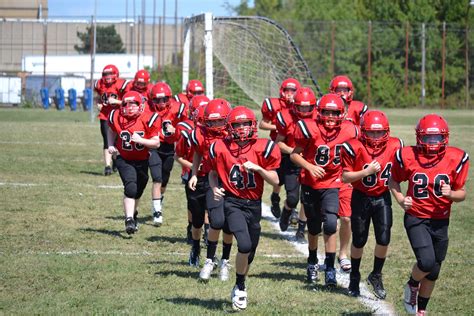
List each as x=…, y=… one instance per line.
x=426, y=176
x=227, y=159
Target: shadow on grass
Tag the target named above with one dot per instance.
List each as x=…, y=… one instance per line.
x=279, y=276
x=141, y=220
x=357, y=314
x=328, y=289
x=276, y=235
x=92, y=173
x=301, y=265
x=212, y=304
x=191, y=274
x=168, y=239
x=113, y=233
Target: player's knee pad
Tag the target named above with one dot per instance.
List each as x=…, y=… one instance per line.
x=292, y=200
x=314, y=226
x=330, y=224
x=426, y=264
x=139, y=192
x=434, y=274
x=244, y=245
x=382, y=235
x=216, y=219
x=359, y=240
x=130, y=190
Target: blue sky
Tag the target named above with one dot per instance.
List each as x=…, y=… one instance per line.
x=117, y=8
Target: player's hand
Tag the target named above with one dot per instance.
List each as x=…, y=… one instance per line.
x=317, y=171
x=250, y=166
x=446, y=190
x=219, y=193
x=100, y=106
x=113, y=150
x=407, y=203
x=136, y=138
x=373, y=167
x=170, y=129
x=192, y=182
x=112, y=100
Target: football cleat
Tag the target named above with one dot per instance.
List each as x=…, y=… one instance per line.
x=330, y=277
x=239, y=299
x=130, y=227
x=107, y=171
x=299, y=237
x=410, y=298
x=193, y=259
x=285, y=219
x=224, y=267
x=135, y=218
x=375, y=280
x=157, y=219
x=294, y=217
x=312, y=273
x=206, y=270
x=354, y=281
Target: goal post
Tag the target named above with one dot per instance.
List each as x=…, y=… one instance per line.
x=243, y=59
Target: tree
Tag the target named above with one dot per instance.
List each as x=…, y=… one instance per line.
x=107, y=41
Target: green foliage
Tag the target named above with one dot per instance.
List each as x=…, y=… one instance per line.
x=108, y=41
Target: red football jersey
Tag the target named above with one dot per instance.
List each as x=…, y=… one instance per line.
x=182, y=98
x=128, y=86
x=227, y=158
x=105, y=92
x=355, y=111
x=355, y=156
x=183, y=146
x=201, y=141
x=286, y=125
x=425, y=177
x=146, y=125
x=322, y=151
x=175, y=113
x=270, y=108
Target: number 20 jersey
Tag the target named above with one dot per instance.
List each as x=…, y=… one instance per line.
x=227, y=159
x=147, y=125
x=426, y=176
x=322, y=152
x=356, y=156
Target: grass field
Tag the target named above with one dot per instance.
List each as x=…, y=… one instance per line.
x=63, y=249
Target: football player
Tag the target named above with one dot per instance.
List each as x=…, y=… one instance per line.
x=214, y=128
x=194, y=87
x=108, y=90
x=302, y=107
x=270, y=107
x=366, y=163
x=342, y=86
x=240, y=165
x=436, y=174
x=162, y=159
x=141, y=84
x=317, y=152
x=137, y=132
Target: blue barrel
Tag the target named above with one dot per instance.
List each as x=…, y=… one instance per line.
x=87, y=99
x=59, y=99
x=72, y=99
x=44, y=92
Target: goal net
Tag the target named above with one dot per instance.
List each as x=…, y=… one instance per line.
x=241, y=59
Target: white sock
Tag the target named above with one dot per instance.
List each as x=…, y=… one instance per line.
x=156, y=205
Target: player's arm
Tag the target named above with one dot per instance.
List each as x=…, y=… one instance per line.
x=267, y=125
x=295, y=156
x=214, y=185
x=197, y=158
x=453, y=195
x=183, y=162
x=270, y=176
x=153, y=142
x=405, y=202
x=284, y=148
x=111, y=137
x=352, y=176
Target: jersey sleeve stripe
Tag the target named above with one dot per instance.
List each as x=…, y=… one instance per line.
x=401, y=143
x=177, y=98
x=186, y=136
x=464, y=159
x=124, y=85
x=349, y=149
x=280, y=119
x=96, y=85
x=269, y=104
x=186, y=125
x=181, y=110
x=364, y=109
x=356, y=131
x=152, y=119
x=212, y=152
x=268, y=149
x=194, y=139
x=304, y=129
x=398, y=156
x=111, y=117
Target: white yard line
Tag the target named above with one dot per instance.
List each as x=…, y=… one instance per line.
x=378, y=307
x=100, y=186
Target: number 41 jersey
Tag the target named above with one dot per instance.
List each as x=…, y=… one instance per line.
x=426, y=176
x=227, y=159
x=147, y=125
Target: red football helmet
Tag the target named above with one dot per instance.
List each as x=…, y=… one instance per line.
x=215, y=115
x=331, y=110
x=110, y=73
x=142, y=78
x=372, y=123
x=198, y=115
x=196, y=102
x=132, y=105
x=194, y=87
x=160, y=96
x=288, y=89
x=305, y=102
x=432, y=134
x=342, y=86
x=242, y=123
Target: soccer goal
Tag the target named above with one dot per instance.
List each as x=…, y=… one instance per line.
x=242, y=59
